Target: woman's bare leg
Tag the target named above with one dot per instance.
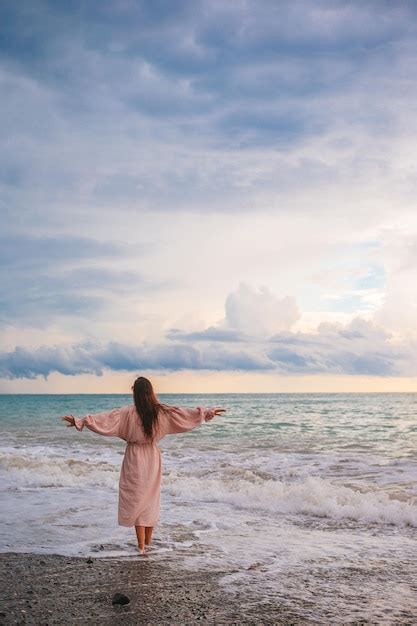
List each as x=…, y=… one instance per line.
x=148, y=535
x=140, y=534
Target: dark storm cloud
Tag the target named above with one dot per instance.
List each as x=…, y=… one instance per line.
x=361, y=349
x=86, y=80
x=92, y=359
x=198, y=39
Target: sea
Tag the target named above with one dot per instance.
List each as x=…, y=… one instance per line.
x=307, y=499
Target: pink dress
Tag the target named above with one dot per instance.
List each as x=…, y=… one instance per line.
x=141, y=471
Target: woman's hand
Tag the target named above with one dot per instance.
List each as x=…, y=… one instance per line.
x=70, y=419
x=215, y=412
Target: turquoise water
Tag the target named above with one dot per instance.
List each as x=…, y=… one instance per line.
x=385, y=423
x=295, y=483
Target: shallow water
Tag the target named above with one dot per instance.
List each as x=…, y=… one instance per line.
x=312, y=498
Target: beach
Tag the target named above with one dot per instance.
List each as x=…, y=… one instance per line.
x=295, y=508
x=54, y=589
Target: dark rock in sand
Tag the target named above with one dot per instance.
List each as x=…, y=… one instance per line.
x=89, y=561
x=120, y=598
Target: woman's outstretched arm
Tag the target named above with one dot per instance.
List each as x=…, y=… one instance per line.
x=182, y=419
x=106, y=423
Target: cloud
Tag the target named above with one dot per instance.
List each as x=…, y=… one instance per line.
x=212, y=333
x=357, y=348
x=191, y=38
x=259, y=312
x=398, y=311
x=89, y=358
x=250, y=314
x=254, y=140
x=44, y=278
x=20, y=251
x=260, y=323
x=87, y=120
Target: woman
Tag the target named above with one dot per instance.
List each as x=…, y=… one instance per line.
x=142, y=425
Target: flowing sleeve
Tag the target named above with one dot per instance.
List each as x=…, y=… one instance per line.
x=106, y=423
x=182, y=419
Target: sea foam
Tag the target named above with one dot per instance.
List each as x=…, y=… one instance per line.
x=29, y=471
x=314, y=496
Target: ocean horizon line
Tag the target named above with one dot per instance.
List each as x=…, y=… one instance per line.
x=221, y=393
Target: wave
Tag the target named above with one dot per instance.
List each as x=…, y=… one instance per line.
x=242, y=488
x=25, y=471
x=313, y=496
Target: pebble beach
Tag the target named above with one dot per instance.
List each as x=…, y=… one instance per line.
x=59, y=590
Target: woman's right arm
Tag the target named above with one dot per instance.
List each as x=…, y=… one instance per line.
x=106, y=423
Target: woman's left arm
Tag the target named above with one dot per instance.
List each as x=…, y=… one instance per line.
x=106, y=423
x=182, y=419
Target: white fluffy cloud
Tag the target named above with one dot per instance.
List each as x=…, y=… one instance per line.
x=398, y=311
x=259, y=312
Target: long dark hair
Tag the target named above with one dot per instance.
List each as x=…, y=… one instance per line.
x=147, y=405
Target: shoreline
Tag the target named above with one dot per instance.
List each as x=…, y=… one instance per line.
x=54, y=589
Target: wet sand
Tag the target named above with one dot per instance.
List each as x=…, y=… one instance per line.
x=52, y=589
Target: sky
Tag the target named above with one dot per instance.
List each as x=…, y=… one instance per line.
x=220, y=196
